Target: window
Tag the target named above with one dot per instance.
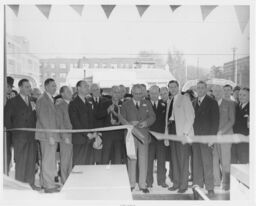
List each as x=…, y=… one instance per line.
x=86, y=66
x=127, y=66
x=63, y=75
x=52, y=66
x=103, y=65
x=63, y=66
x=134, y=66
x=53, y=75
x=121, y=65
x=75, y=65
x=113, y=66
x=95, y=65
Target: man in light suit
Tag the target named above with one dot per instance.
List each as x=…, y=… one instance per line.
x=47, y=119
x=206, y=123
x=66, y=147
x=180, y=118
x=222, y=152
x=138, y=112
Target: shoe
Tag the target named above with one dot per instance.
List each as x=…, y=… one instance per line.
x=36, y=188
x=172, y=188
x=211, y=193
x=182, y=190
x=164, y=185
x=51, y=190
x=145, y=190
x=132, y=188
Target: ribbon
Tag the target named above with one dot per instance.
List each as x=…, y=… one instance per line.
x=204, y=139
x=129, y=140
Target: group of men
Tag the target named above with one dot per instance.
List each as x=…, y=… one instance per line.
x=163, y=110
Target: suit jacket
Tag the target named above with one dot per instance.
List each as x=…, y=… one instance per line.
x=227, y=116
x=159, y=124
x=46, y=118
x=17, y=114
x=206, y=117
x=81, y=117
x=184, y=114
x=240, y=126
x=145, y=113
x=99, y=112
x=63, y=119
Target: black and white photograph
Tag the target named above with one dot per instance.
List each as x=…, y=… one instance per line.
x=137, y=102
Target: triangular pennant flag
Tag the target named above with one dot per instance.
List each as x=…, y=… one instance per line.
x=243, y=14
x=108, y=9
x=174, y=7
x=78, y=8
x=15, y=9
x=141, y=9
x=45, y=9
x=206, y=10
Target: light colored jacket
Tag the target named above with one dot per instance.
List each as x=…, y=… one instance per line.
x=227, y=116
x=46, y=118
x=184, y=115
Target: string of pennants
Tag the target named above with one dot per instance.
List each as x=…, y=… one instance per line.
x=242, y=11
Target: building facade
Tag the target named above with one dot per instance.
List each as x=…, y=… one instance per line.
x=20, y=62
x=243, y=71
x=56, y=68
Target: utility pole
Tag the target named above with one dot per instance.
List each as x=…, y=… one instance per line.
x=234, y=64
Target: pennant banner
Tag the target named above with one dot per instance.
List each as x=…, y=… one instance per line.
x=141, y=9
x=15, y=9
x=108, y=9
x=174, y=7
x=45, y=9
x=78, y=8
x=243, y=14
x=206, y=10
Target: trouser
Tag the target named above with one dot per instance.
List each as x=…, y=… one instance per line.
x=9, y=144
x=180, y=161
x=49, y=167
x=66, y=155
x=142, y=157
x=221, y=164
x=25, y=160
x=156, y=149
x=82, y=154
x=203, y=166
x=112, y=147
x=240, y=153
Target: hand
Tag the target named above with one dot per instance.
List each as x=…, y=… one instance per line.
x=142, y=124
x=166, y=143
x=110, y=108
x=219, y=133
x=90, y=136
x=67, y=141
x=113, y=122
x=134, y=123
x=51, y=141
x=210, y=145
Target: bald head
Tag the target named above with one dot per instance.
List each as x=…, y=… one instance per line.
x=218, y=92
x=95, y=90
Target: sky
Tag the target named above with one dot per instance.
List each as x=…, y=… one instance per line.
x=125, y=33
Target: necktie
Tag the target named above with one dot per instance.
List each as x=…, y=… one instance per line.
x=154, y=106
x=26, y=100
x=137, y=105
x=170, y=109
x=199, y=102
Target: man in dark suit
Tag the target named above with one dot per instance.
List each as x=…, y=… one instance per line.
x=241, y=126
x=20, y=113
x=112, y=140
x=81, y=117
x=206, y=123
x=99, y=121
x=139, y=113
x=156, y=147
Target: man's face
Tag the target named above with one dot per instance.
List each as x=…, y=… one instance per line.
x=144, y=92
x=137, y=94
x=236, y=94
x=25, y=89
x=201, y=89
x=227, y=92
x=51, y=88
x=116, y=93
x=84, y=89
x=123, y=91
x=95, y=90
x=36, y=93
x=173, y=88
x=164, y=94
x=9, y=89
x=154, y=94
x=67, y=94
x=218, y=92
x=244, y=96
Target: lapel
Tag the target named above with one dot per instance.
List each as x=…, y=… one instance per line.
x=202, y=105
x=245, y=109
x=20, y=99
x=49, y=100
